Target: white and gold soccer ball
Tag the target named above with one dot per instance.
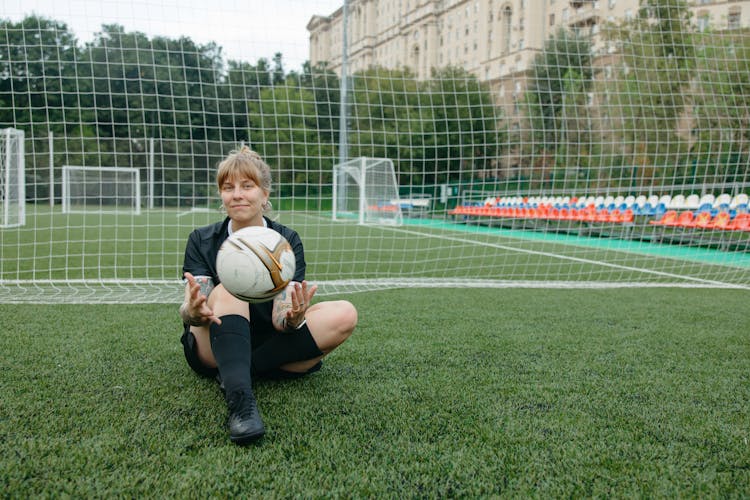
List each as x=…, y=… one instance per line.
x=255, y=264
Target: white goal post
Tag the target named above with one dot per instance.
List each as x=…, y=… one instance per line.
x=12, y=178
x=366, y=189
x=101, y=189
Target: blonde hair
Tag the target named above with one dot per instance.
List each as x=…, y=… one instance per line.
x=244, y=163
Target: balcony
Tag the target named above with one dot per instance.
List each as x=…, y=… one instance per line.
x=587, y=14
x=577, y=4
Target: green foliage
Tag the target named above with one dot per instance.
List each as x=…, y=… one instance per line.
x=721, y=98
x=448, y=123
x=563, y=394
x=650, y=92
x=556, y=102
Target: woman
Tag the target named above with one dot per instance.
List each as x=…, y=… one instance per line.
x=232, y=340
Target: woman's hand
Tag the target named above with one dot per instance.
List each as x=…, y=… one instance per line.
x=300, y=299
x=194, y=310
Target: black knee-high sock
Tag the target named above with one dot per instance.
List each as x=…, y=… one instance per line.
x=285, y=348
x=230, y=343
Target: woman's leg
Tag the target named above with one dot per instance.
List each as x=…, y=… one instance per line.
x=222, y=303
x=330, y=324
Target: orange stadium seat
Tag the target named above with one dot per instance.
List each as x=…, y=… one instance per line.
x=740, y=223
x=721, y=221
x=668, y=219
x=685, y=219
x=702, y=220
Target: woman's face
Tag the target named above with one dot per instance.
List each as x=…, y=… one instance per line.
x=243, y=200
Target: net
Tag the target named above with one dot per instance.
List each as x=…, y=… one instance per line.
x=533, y=144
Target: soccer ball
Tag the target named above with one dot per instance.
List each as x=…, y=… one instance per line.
x=255, y=264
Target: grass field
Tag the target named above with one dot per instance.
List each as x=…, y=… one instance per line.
x=439, y=393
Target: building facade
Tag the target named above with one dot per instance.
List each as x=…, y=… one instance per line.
x=496, y=40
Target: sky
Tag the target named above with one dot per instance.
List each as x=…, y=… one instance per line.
x=246, y=30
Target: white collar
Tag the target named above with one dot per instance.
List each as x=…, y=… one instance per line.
x=229, y=226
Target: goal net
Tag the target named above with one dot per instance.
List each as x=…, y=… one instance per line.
x=471, y=144
x=101, y=189
x=366, y=190
x=12, y=180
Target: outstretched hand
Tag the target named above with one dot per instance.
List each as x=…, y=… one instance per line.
x=196, y=303
x=301, y=295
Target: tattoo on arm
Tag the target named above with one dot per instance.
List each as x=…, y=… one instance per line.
x=206, y=283
x=281, y=304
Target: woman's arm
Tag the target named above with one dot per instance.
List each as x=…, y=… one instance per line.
x=194, y=309
x=290, y=305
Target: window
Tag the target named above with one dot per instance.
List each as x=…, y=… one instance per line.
x=507, y=18
x=703, y=22
x=551, y=19
x=733, y=20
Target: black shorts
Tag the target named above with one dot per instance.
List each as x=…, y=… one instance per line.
x=296, y=347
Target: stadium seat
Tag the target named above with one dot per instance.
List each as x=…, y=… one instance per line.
x=668, y=219
x=740, y=199
x=704, y=207
x=723, y=199
x=707, y=199
x=721, y=221
x=677, y=203
x=665, y=199
x=692, y=202
x=702, y=220
x=685, y=219
x=740, y=223
x=602, y=215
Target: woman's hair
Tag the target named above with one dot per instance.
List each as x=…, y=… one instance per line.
x=244, y=163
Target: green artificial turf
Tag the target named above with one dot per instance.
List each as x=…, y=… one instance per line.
x=439, y=393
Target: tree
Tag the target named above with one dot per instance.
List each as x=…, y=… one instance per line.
x=649, y=96
x=556, y=103
x=721, y=109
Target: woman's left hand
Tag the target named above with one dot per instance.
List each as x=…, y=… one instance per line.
x=301, y=295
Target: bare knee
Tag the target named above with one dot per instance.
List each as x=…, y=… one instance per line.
x=222, y=302
x=331, y=323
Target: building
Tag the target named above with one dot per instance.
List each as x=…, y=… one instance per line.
x=496, y=40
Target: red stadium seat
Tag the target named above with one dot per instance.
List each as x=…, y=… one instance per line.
x=685, y=219
x=721, y=221
x=668, y=219
x=740, y=223
x=703, y=220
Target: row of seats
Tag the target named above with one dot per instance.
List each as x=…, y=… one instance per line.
x=548, y=212
x=671, y=218
x=640, y=205
x=704, y=220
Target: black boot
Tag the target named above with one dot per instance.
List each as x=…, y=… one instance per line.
x=230, y=343
x=245, y=424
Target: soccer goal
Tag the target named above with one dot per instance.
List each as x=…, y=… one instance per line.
x=12, y=182
x=101, y=189
x=366, y=189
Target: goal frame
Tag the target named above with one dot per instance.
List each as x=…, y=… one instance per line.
x=13, y=161
x=135, y=208
x=356, y=169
